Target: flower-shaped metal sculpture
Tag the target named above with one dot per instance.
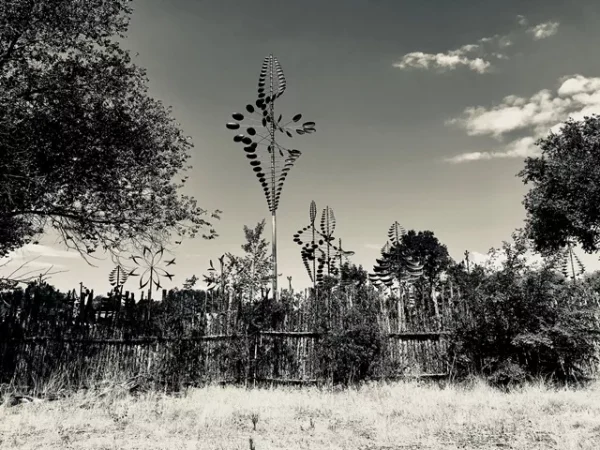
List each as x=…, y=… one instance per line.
x=152, y=273
x=394, y=265
x=257, y=132
x=319, y=255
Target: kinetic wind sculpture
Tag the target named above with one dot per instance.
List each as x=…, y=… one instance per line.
x=117, y=278
x=269, y=160
x=319, y=254
x=149, y=262
x=394, y=265
x=567, y=257
x=214, y=279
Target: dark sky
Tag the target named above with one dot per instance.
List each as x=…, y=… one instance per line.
x=386, y=147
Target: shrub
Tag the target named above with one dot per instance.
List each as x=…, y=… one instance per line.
x=351, y=353
x=526, y=323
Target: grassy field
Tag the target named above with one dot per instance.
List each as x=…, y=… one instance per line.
x=378, y=416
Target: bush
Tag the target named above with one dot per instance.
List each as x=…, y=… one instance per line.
x=526, y=323
x=351, y=353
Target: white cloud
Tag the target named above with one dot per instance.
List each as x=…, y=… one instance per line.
x=520, y=148
x=475, y=57
x=544, y=30
x=30, y=265
x=37, y=250
x=513, y=114
x=542, y=113
x=444, y=61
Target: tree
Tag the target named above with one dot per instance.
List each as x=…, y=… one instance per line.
x=426, y=248
x=246, y=275
x=83, y=147
x=563, y=204
x=252, y=271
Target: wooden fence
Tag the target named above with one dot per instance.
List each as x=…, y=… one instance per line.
x=85, y=342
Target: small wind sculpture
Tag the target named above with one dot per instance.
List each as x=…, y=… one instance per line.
x=152, y=273
x=394, y=265
x=217, y=280
x=270, y=161
x=319, y=254
x=569, y=258
x=117, y=278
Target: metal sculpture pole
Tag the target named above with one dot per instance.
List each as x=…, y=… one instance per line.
x=273, y=168
x=269, y=125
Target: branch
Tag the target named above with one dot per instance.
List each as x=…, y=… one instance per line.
x=27, y=277
x=11, y=46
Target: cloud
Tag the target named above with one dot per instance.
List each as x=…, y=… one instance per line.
x=37, y=250
x=476, y=57
x=520, y=148
x=544, y=30
x=513, y=114
x=444, y=61
x=522, y=20
x=576, y=97
x=14, y=264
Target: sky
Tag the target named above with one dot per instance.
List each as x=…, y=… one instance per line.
x=424, y=110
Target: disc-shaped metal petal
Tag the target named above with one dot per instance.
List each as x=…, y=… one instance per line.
x=233, y=125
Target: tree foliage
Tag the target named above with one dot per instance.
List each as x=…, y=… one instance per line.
x=83, y=147
x=252, y=271
x=246, y=276
x=415, y=255
x=564, y=201
x=425, y=247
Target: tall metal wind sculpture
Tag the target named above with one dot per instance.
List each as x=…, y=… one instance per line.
x=319, y=254
x=568, y=259
x=270, y=161
x=394, y=265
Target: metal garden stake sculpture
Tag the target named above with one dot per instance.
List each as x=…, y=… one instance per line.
x=269, y=160
x=117, y=279
x=149, y=262
x=320, y=250
x=567, y=257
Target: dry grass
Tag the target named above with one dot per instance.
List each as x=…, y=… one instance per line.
x=382, y=416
